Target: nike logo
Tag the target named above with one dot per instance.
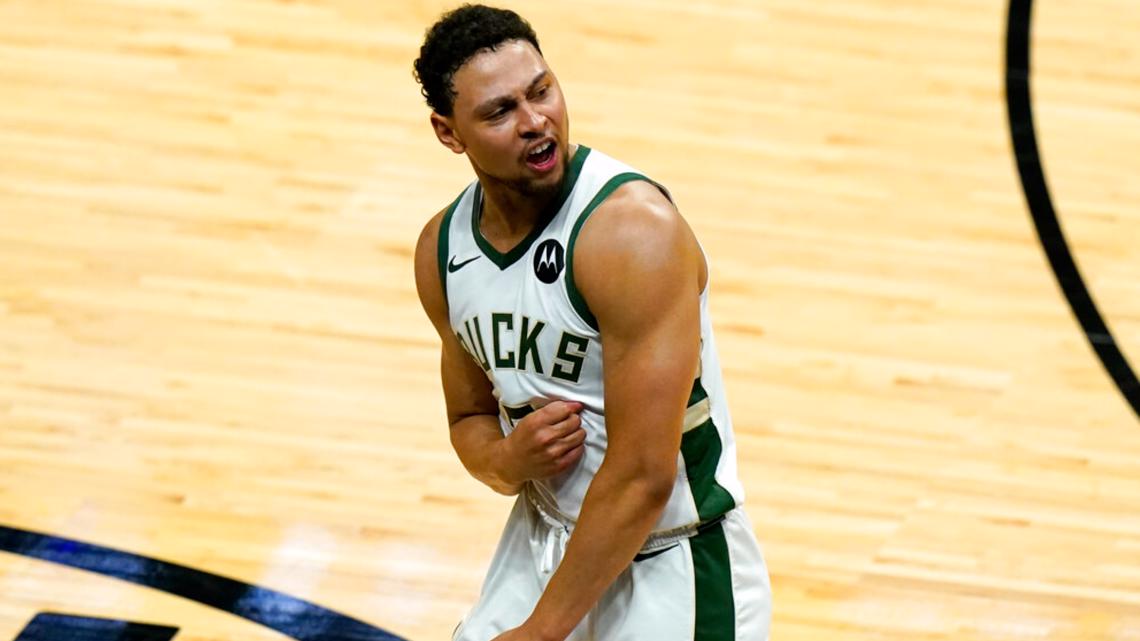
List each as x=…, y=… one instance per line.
x=453, y=267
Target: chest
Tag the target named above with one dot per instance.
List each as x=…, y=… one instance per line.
x=518, y=320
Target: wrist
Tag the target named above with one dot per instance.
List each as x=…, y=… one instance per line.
x=553, y=619
x=542, y=629
x=503, y=463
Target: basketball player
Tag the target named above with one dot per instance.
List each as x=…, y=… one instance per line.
x=578, y=367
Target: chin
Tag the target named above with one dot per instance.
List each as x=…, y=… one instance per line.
x=547, y=186
x=543, y=185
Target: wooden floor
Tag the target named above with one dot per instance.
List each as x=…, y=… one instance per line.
x=211, y=351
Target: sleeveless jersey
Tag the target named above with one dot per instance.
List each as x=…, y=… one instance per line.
x=522, y=319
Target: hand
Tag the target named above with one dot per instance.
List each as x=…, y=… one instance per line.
x=546, y=442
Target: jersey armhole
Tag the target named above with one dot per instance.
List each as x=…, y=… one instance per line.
x=442, y=245
x=577, y=301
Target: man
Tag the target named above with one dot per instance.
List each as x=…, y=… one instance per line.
x=628, y=522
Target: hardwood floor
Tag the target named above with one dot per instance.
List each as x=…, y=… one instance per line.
x=211, y=352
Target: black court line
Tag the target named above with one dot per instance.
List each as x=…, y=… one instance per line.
x=288, y=615
x=49, y=626
x=1036, y=189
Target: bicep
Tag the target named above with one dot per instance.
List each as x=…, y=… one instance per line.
x=648, y=379
x=466, y=388
x=640, y=275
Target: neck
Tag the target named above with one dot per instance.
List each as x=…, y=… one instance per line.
x=509, y=214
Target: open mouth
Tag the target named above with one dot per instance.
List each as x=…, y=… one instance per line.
x=543, y=157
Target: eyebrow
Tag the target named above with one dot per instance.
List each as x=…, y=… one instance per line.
x=492, y=104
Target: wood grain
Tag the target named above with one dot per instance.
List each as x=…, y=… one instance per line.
x=211, y=351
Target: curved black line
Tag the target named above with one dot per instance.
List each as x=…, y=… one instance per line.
x=1041, y=205
x=288, y=615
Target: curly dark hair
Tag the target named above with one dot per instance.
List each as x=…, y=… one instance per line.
x=454, y=39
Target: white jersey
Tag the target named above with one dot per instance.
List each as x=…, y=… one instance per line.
x=523, y=320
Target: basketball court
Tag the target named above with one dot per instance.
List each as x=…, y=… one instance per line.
x=214, y=367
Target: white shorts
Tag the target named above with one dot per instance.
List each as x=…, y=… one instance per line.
x=712, y=586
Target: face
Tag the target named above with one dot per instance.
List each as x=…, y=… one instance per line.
x=510, y=119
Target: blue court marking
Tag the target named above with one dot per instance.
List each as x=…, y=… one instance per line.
x=1049, y=232
x=48, y=626
x=288, y=615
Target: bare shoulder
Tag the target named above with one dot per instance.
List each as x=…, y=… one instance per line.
x=635, y=207
x=428, y=284
x=635, y=256
x=429, y=236
x=636, y=226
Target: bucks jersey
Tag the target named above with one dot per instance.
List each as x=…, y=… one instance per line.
x=521, y=317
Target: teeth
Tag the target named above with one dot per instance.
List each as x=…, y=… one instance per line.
x=541, y=149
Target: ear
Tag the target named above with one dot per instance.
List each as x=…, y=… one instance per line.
x=445, y=131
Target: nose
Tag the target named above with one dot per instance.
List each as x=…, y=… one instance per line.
x=532, y=124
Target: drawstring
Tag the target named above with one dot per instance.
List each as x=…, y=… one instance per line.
x=557, y=535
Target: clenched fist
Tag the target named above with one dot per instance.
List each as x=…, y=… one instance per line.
x=546, y=442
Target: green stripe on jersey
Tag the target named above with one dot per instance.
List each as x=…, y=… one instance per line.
x=698, y=394
x=712, y=567
x=701, y=450
x=442, y=244
x=505, y=260
x=576, y=298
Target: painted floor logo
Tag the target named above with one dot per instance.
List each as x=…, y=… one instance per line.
x=288, y=615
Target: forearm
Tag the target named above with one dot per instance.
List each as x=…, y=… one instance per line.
x=617, y=515
x=478, y=441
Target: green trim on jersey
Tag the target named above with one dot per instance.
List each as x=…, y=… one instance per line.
x=504, y=261
x=701, y=450
x=698, y=394
x=712, y=567
x=576, y=299
x=516, y=413
x=441, y=244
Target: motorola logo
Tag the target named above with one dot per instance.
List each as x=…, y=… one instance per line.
x=549, y=261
